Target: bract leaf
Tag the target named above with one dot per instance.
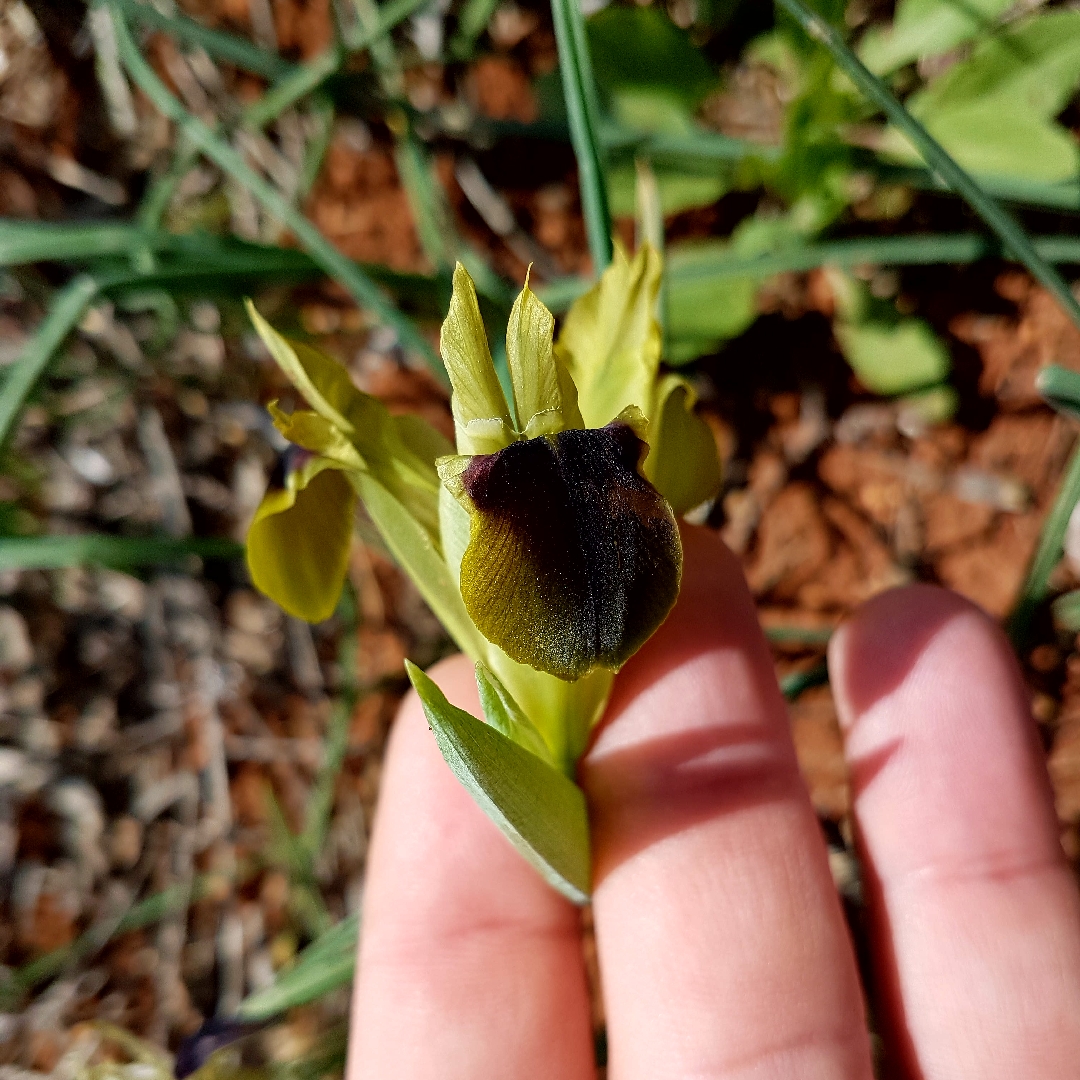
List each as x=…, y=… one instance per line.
x=610, y=340
x=298, y=543
x=503, y=713
x=683, y=466
x=573, y=558
x=416, y=552
x=537, y=397
x=481, y=414
x=540, y=811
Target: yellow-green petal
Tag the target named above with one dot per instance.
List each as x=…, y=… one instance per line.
x=610, y=340
x=315, y=433
x=481, y=415
x=298, y=544
x=683, y=465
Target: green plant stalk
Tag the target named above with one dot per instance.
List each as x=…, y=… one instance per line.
x=53, y=552
x=1012, y=235
x=1066, y=610
x=1047, y=555
x=65, y=312
x=363, y=290
x=228, y=47
x=579, y=88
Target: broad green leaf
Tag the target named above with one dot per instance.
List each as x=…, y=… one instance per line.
x=537, y=397
x=610, y=340
x=503, y=713
x=641, y=48
x=681, y=187
x=538, y=809
x=702, y=312
x=928, y=28
x=480, y=411
x=415, y=551
x=298, y=544
x=893, y=358
x=994, y=111
x=683, y=465
x=1001, y=139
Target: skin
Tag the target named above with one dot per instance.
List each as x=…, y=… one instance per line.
x=722, y=947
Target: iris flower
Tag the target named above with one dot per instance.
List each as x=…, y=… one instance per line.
x=547, y=544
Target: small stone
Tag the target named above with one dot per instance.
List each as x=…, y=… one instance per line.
x=26, y=695
x=91, y=464
x=16, y=650
x=96, y=725
x=257, y=652
x=249, y=612
x=125, y=842
x=121, y=594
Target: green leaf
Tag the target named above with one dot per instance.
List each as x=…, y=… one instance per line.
x=927, y=28
x=640, y=48
x=681, y=187
x=583, y=113
x=610, y=340
x=67, y=308
x=538, y=809
x=503, y=713
x=299, y=541
x=994, y=111
x=118, y=552
x=894, y=358
x=481, y=415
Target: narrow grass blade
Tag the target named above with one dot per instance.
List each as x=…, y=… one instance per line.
x=326, y=964
x=1047, y=555
x=68, y=307
x=935, y=155
x=145, y=913
x=117, y=552
x=228, y=47
x=791, y=686
x=579, y=88
x=1060, y=387
x=294, y=87
x=39, y=241
x=321, y=800
x=472, y=21
x=363, y=290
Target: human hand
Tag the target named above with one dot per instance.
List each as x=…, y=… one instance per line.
x=722, y=946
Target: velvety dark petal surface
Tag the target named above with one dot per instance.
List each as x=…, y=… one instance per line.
x=573, y=558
